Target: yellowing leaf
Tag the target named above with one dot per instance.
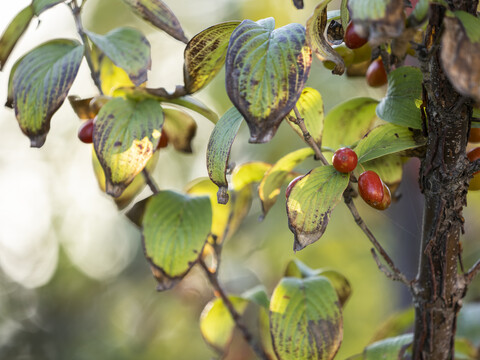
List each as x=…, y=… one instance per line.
x=310, y=106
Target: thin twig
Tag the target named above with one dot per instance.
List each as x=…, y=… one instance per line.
x=397, y=274
x=150, y=181
x=298, y=120
x=472, y=272
x=213, y=278
x=76, y=10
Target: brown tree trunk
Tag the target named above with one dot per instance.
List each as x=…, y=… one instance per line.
x=438, y=288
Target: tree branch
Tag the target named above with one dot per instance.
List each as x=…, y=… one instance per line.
x=237, y=318
x=150, y=181
x=395, y=273
x=298, y=120
x=472, y=272
x=76, y=10
x=473, y=167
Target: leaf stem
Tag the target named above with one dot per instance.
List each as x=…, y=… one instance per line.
x=237, y=318
x=298, y=120
x=76, y=11
x=395, y=273
x=150, y=181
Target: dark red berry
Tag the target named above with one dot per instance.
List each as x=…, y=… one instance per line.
x=85, y=132
x=373, y=190
x=345, y=160
x=376, y=74
x=352, y=39
x=292, y=184
x=163, y=140
x=473, y=155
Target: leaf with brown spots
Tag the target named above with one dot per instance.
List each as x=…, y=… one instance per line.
x=311, y=201
x=266, y=70
x=125, y=135
x=460, y=53
x=305, y=319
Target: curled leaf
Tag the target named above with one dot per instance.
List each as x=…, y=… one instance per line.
x=181, y=129
x=266, y=70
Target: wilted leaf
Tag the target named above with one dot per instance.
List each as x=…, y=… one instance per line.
x=388, y=139
x=380, y=19
x=132, y=190
x=205, y=55
x=389, y=168
x=310, y=106
x=40, y=6
x=298, y=269
x=388, y=348
x=248, y=174
x=348, y=122
x=311, y=201
x=218, y=150
x=305, y=319
x=175, y=229
x=275, y=177
x=216, y=323
x=460, y=53
x=41, y=83
x=81, y=107
x=266, y=70
x=181, y=129
x=157, y=13
x=125, y=135
x=13, y=33
x=404, y=89
x=316, y=39
x=128, y=49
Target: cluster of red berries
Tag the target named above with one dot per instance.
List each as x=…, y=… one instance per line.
x=376, y=75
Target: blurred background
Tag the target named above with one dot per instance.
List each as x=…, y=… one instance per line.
x=73, y=280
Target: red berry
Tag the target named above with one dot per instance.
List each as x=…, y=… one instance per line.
x=373, y=190
x=85, y=132
x=475, y=181
x=163, y=140
x=292, y=184
x=345, y=160
x=376, y=74
x=352, y=39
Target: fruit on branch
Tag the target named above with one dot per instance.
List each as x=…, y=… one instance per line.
x=292, y=184
x=473, y=155
x=373, y=191
x=345, y=160
x=474, y=136
x=163, y=140
x=352, y=39
x=376, y=74
x=85, y=132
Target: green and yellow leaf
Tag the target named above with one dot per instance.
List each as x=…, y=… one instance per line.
x=249, y=173
x=310, y=107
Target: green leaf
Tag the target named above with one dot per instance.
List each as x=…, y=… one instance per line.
x=180, y=128
x=40, y=6
x=175, y=229
x=316, y=39
x=13, y=33
x=390, y=348
x=41, y=83
x=388, y=139
x=467, y=323
x=157, y=13
x=310, y=106
x=258, y=295
x=132, y=190
x=249, y=173
x=389, y=168
x=396, y=325
x=205, y=55
x=311, y=201
x=298, y=269
x=462, y=36
x=265, y=337
x=380, y=19
x=128, y=49
x=420, y=12
x=345, y=16
x=305, y=319
x=218, y=150
x=273, y=180
x=266, y=71
x=125, y=135
x=216, y=323
x=348, y=122
x=404, y=89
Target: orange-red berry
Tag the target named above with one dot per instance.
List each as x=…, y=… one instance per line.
x=373, y=191
x=85, y=132
x=345, y=160
x=376, y=75
x=352, y=39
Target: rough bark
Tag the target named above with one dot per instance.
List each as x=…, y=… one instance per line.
x=439, y=289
